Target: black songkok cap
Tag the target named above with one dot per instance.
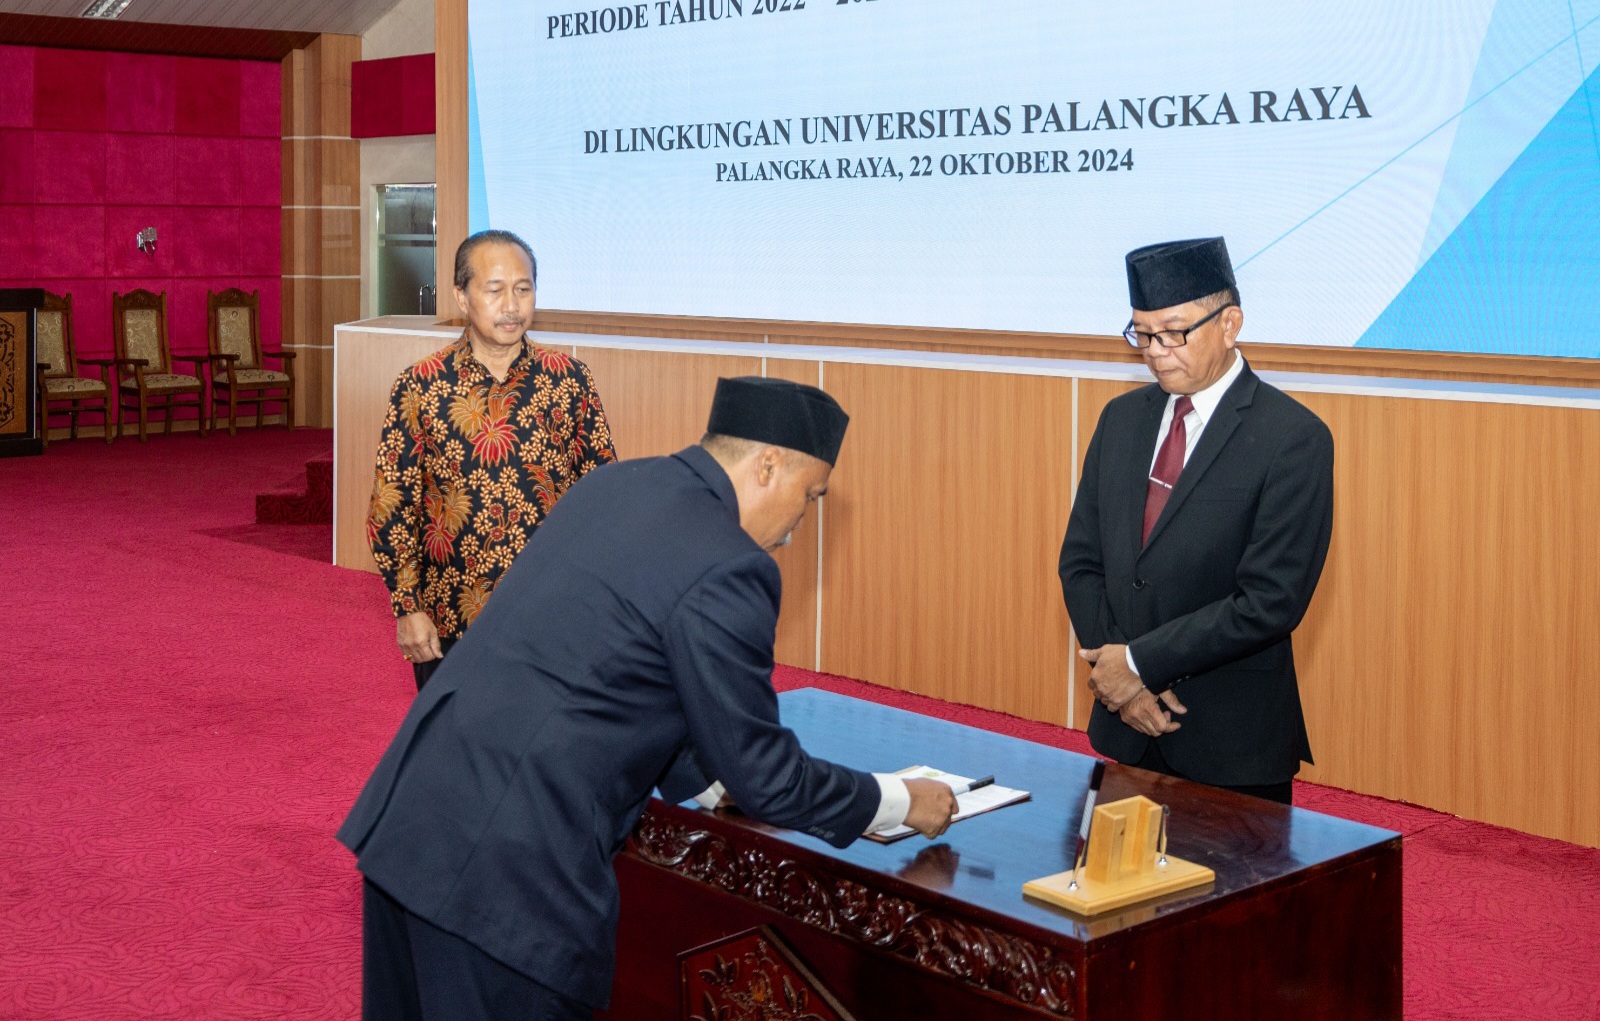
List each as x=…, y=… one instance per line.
x=781, y=413
x=1177, y=272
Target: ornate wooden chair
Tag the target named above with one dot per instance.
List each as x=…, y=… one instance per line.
x=233, y=322
x=61, y=388
x=144, y=361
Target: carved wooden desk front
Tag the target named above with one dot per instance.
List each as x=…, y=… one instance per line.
x=1302, y=922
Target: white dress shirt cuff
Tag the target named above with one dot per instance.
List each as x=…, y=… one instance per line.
x=895, y=804
x=709, y=797
x=1127, y=653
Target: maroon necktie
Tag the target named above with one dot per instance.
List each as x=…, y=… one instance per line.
x=1168, y=466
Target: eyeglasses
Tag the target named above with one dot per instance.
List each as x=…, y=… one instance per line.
x=1166, y=338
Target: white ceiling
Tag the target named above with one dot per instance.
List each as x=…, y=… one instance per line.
x=350, y=17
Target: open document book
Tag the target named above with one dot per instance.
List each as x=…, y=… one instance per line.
x=984, y=799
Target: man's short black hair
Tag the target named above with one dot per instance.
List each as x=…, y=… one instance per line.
x=488, y=237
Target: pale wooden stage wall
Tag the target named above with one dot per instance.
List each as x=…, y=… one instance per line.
x=1450, y=658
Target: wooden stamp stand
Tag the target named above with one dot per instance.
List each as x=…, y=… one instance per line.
x=1124, y=864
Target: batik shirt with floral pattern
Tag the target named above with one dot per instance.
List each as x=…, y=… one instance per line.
x=469, y=466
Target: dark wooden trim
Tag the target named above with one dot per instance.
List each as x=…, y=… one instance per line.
x=149, y=37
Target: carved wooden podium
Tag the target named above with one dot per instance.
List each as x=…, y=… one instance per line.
x=754, y=976
x=1301, y=922
x=19, y=372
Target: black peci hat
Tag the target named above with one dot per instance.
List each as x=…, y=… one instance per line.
x=781, y=413
x=1177, y=272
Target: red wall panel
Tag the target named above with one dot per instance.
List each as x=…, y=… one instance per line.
x=375, y=100
x=260, y=100
x=141, y=170
x=141, y=93
x=91, y=313
x=416, y=92
x=16, y=169
x=69, y=90
x=124, y=261
x=69, y=166
x=208, y=171
x=260, y=242
x=16, y=239
x=101, y=145
x=16, y=87
x=260, y=171
x=393, y=96
x=69, y=241
x=271, y=309
x=186, y=313
x=205, y=242
x=208, y=96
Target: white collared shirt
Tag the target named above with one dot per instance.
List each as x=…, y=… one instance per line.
x=1194, y=423
x=1205, y=405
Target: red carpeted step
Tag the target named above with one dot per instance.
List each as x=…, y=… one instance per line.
x=311, y=506
x=319, y=488
x=285, y=507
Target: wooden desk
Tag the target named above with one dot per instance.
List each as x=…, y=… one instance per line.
x=1303, y=921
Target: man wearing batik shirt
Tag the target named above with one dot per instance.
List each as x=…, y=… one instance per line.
x=479, y=442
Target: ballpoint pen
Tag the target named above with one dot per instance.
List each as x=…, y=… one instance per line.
x=1161, y=849
x=959, y=789
x=1095, y=778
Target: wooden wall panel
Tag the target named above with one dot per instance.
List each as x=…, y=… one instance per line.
x=335, y=54
x=1450, y=657
x=450, y=153
x=331, y=170
x=656, y=402
x=1093, y=396
x=321, y=220
x=368, y=362
x=797, y=622
x=942, y=531
x=339, y=229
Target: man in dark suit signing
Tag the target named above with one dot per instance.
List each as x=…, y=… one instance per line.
x=628, y=648
x=1198, y=533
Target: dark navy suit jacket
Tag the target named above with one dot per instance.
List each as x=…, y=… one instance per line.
x=628, y=647
x=1211, y=599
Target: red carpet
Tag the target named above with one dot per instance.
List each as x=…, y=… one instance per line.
x=306, y=499
x=193, y=701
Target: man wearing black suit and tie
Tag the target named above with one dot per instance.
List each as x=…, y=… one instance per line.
x=1198, y=533
x=627, y=648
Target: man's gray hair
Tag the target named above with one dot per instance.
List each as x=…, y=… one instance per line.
x=729, y=448
x=463, y=275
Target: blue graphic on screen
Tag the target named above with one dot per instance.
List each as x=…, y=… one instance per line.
x=478, y=191
x=1420, y=176
x=1517, y=274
